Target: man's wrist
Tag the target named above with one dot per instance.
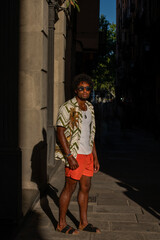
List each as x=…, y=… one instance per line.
x=68, y=155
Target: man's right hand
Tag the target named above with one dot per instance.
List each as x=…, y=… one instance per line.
x=73, y=164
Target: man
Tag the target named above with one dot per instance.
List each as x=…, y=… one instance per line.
x=75, y=133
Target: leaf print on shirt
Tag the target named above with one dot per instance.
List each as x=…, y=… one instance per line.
x=73, y=118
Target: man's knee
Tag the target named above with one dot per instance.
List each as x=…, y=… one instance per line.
x=85, y=186
x=70, y=184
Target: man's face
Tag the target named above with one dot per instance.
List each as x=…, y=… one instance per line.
x=83, y=91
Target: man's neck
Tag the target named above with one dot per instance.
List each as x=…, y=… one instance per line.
x=81, y=103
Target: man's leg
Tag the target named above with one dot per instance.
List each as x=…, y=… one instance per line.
x=64, y=200
x=85, y=184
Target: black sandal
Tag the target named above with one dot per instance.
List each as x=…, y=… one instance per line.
x=67, y=230
x=90, y=228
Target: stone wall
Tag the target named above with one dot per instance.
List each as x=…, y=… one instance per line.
x=59, y=63
x=33, y=80
x=35, y=125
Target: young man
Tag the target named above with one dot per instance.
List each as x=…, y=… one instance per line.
x=75, y=133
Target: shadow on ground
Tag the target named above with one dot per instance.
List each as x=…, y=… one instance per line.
x=52, y=193
x=39, y=176
x=130, y=155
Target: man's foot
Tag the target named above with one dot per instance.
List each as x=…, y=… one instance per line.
x=89, y=228
x=67, y=230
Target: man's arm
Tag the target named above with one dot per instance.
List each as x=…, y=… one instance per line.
x=95, y=159
x=73, y=164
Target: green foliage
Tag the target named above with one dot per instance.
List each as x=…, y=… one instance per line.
x=104, y=74
x=74, y=3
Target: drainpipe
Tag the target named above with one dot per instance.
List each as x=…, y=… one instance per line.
x=50, y=90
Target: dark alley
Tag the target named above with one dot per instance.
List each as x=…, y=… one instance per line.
x=124, y=199
x=48, y=119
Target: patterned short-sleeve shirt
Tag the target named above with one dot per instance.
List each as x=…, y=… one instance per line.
x=70, y=117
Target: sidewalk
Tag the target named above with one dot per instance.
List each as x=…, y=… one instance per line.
x=124, y=198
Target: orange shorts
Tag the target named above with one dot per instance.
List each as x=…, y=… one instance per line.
x=85, y=167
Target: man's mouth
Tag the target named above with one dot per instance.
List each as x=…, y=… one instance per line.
x=85, y=94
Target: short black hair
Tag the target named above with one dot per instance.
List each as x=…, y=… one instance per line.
x=82, y=78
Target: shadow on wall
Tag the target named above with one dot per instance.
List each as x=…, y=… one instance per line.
x=130, y=155
x=39, y=176
x=39, y=163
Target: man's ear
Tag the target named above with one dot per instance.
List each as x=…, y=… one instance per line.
x=75, y=92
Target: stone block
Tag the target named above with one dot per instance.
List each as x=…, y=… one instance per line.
x=116, y=209
x=135, y=227
x=151, y=236
x=26, y=169
x=28, y=197
x=141, y=218
x=31, y=51
x=81, y=235
x=31, y=15
x=60, y=25
x=113, y=217
x=73, y=206
x=111, y=185
x=112, y=199
x=32, y=90
x=117, y=236
x=32, y=129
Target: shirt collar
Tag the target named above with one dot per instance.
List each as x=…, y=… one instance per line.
x=74, y=101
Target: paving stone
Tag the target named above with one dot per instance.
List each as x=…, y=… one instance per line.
x=73, y=206
x=135, y=227
x=44, y=222
x=81, y=235
x=112, y=199
x=50, y=235
x=102, y=225
x=118, y=236
x=147, y=218
x=151, y=236
x=110, y=186
x=91, y=199
x=46, y=233
x=101, y=179
x=115, y=217
x=121, y=210
x=28, y=197
x=28, y=235
x=95, y=191
x=134, y=203
x=151, y=212
x=117, y=209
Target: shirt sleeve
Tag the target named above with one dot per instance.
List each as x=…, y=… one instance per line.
x=63, y=117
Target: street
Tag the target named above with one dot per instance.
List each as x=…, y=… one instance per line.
x=124, y=198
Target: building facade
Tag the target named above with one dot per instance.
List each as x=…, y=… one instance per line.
x=138, y=77
x=41, y=42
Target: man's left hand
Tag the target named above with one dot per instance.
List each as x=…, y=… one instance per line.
x=96, y=166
